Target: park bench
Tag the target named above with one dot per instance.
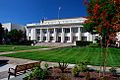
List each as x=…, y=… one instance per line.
x=22, y=68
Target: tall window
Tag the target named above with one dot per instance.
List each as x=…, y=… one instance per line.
x=82, y=29
x=44, y=38
x=29, y=30
x=51, y=30
x=51, y=38
x=75, y=30
x=44, y=31
x=84, y=38
x=38, y=31
x=38, y=38
x=67, y=38
x=59, y=30
x=67, y=30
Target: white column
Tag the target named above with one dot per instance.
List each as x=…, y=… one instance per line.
x=41, y=35
x=27, y=33
x=93, y=38
x=55, y=35
x=48, y=35
x=33, y=34
x=71, y=37
x=79, y=34
x=62, y=35
x=89, y=37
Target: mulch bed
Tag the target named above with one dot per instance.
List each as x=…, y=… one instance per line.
x=56, y=74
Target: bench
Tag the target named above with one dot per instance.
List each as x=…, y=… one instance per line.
x=22, y=68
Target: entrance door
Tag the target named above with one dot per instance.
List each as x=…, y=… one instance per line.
x=59, y=39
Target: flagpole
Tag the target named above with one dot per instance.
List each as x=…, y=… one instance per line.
x=59, y=12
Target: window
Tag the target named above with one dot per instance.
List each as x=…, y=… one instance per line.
x=67, y=30
x=84, y=38
x=82, y=30
x=67, y=38
x=44, y=31
x=51, y=38
x=51, y=30
x=38, y=38
x=29, y=38
x=38, y=31
x=75, y=30
x=29, y=31
x=44, y=38
x=75, y=38
x=59, y=30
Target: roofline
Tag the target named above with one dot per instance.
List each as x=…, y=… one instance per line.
x=55, y=25
x=64, y=18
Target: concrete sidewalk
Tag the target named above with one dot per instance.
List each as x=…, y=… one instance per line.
x=11, y=52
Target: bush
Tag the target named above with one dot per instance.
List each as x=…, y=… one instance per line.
x=93, y=45
x=26, y=42
x=113, y=70
x=83, y=43
x=63, y=66
x=75, y=71
x=38, y=73
x=80, y=67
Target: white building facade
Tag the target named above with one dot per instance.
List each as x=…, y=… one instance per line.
x=11, y=26
x=61, y=30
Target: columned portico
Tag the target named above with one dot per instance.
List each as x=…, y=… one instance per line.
x=62, y=31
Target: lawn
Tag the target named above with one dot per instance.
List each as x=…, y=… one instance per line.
x=6, y=48
x=72, y=55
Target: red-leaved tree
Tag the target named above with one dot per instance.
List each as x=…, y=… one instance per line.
x=104, y=19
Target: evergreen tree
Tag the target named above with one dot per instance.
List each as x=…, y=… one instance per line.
x=1, y=33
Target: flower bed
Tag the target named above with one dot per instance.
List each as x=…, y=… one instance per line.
x=58, y=73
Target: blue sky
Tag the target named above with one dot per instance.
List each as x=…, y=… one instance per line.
x=32, y=11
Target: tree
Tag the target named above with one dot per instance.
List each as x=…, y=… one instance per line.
x=15, y=36
x=103, y=18
x=1, y=33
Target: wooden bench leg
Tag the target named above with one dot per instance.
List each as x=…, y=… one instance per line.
x=8, y=76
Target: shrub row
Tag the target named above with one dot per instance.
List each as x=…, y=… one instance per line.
x=83, y=43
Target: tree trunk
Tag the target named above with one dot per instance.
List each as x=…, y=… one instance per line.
x=101, y=55
x=105, y=60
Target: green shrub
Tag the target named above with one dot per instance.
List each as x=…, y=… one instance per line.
x=38, y=73
x=62, y=66
x=93, y=45
x=75, y=71
x=80, y=67
x=83, y=43
x=113, y=70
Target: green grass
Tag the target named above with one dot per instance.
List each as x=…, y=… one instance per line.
x=72, y=55
x=6, y=48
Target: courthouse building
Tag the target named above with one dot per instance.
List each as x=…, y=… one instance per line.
x=59, y=30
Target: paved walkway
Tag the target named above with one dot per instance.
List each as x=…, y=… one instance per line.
x=10, y=52
x=12, y=62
